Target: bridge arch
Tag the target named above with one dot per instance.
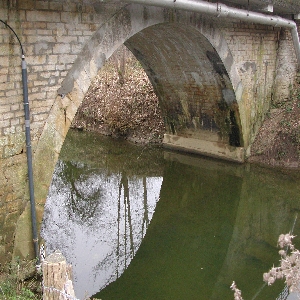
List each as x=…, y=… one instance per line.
x=182, y=35
x=195, y=91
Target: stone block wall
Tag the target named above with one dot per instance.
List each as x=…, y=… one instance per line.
x=52, y=34
x=286, y=67
x=254, y=48
x=66, y=42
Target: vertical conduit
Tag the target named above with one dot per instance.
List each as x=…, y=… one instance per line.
x=28, y=148
x=29, y=159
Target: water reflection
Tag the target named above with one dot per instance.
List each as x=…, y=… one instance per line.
x=215, y=222
x=97, y=221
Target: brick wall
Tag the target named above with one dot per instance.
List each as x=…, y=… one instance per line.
x=66, y=42
x=52, y=34
x=254, y=48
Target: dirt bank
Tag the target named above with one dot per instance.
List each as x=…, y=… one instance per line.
x=121, y=103
x=278, y=140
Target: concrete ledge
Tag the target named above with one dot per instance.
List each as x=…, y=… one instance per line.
x=208, y=148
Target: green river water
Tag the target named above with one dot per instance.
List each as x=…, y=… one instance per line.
x=146, y=223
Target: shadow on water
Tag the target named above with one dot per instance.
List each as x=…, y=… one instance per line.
x=208, y=222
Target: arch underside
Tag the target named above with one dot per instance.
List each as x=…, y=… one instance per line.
x=196, y=95
x=192, y=71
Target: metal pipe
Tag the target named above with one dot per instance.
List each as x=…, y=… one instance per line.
x=28, y=148
x=296, y=42
x=29, y=160
x=222, y=10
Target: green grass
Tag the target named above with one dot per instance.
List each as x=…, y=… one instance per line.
x=19, y=281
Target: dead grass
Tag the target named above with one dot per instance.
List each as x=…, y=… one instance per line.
x=278, y=140
x=122, y=106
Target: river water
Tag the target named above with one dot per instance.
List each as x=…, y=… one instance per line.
x=146, y=223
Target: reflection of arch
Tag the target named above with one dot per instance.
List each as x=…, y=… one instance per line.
x=125, y=24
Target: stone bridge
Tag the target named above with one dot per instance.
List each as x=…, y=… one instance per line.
x=216, y=78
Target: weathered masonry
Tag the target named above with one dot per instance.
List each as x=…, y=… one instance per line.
x=215, y=78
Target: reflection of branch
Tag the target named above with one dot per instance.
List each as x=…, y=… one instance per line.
x=74, y=189
x=127, y=201
x=125, y=186
x=146, y=217
x=83, y=207
x=106, y=262
x=125, y=229
x=119, y=217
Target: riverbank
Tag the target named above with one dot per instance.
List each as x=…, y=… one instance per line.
x=121, y=103
x=19, y=279
x=277, y=143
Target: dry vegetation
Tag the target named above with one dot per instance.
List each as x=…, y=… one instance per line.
x=19, y=280
x=121, y=103
x=278, y=141
x=288, y=270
